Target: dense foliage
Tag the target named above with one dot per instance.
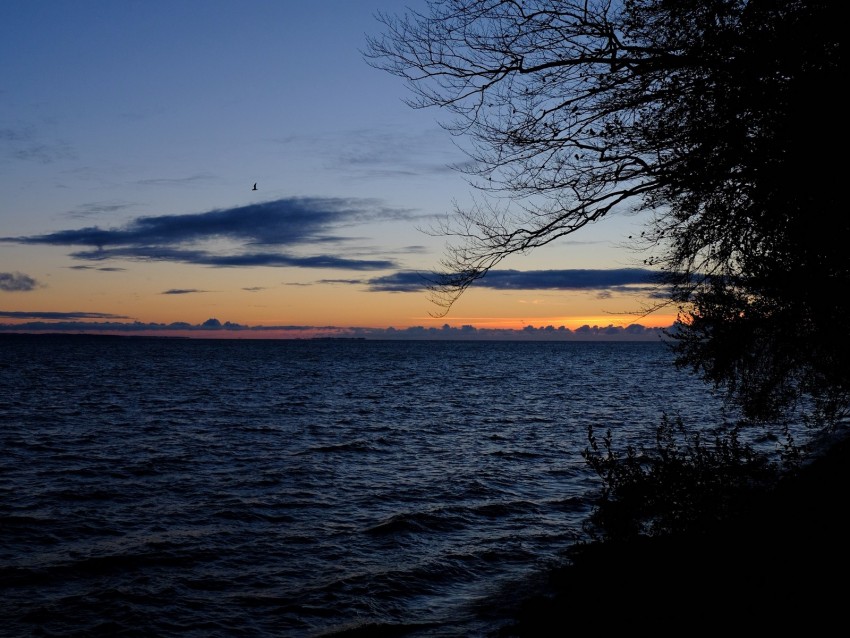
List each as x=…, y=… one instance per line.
x=684, y=483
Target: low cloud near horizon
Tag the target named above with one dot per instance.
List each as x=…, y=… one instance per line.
x=69, y=322
x=20, y=314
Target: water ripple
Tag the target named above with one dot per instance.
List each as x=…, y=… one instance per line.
x=235, y=488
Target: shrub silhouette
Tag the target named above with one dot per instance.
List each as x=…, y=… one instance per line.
x=685, y=483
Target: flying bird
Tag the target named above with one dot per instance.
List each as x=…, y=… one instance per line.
x=255, y=186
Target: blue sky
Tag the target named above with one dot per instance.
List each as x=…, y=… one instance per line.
x=131, y=134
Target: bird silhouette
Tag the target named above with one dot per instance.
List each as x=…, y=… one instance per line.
x=255, y=186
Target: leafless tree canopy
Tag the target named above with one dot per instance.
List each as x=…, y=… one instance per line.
x=714, y=115
x=558, y=101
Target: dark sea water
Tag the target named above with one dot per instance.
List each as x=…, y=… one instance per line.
x=158, y=487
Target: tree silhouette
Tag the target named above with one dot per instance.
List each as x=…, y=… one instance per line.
x=715, y=118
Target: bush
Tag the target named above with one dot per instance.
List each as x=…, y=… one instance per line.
x=685, y=484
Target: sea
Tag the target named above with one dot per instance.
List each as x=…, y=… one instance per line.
x=305, y=488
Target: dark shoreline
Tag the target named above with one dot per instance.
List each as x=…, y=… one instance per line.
x=785, y=564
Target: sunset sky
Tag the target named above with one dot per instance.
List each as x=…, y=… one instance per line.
x=132, y=133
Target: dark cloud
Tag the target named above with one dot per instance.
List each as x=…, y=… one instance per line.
x=632, y=332
x=254, y=289
x=67, y=322
x=181, y=291
x=567, y=279
x=341, y=281
x=404, y=281
x=59, y=315
x=103, y=269
x=281, y=223
x=17, y=282
x=206, y=258
x=603, y=280
x=286, y=223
